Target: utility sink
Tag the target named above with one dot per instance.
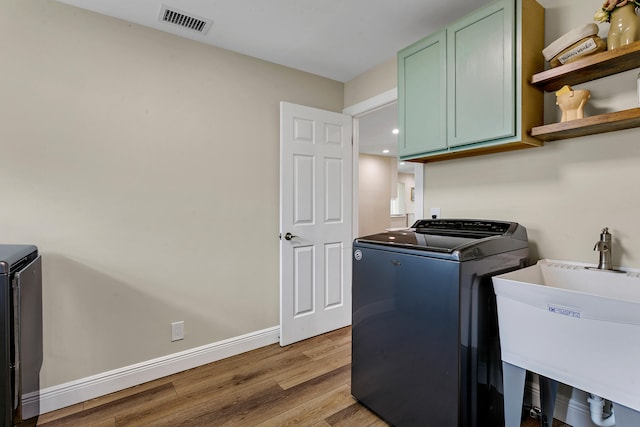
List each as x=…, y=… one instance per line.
x=574, y=324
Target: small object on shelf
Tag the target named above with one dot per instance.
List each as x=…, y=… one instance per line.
x=575, y=44
x=572, y=103
x=625, y=26
x=563, y=89
x=589, y=68
x=625, y=23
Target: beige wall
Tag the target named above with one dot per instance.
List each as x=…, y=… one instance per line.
x=379, y=79
x=145, y=167
x=374, y=193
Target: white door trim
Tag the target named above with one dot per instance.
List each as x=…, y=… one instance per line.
x=372, y=103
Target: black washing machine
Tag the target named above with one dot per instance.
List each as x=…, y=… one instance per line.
x=425, y=342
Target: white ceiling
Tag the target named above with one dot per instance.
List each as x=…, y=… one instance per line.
x=338, y=39
x=375, y=131
x=375, y=134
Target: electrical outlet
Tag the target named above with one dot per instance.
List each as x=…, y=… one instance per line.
x=435, y=213
x=177, y=331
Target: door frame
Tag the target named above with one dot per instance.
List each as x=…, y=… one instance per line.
x=356, y=111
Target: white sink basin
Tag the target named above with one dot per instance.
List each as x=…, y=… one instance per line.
x=576, y=325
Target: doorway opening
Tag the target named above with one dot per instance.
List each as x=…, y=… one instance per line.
x=387, y=193
x=385, y=184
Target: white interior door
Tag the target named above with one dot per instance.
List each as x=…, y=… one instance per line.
x=315, y=221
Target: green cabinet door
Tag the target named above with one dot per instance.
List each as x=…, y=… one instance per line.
x=481, y=76
x=422, y=96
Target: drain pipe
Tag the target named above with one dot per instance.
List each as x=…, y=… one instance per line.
x=596, y=404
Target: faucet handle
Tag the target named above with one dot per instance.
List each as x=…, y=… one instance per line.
x=605, y=236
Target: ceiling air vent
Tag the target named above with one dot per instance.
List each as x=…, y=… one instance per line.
x=185, y=20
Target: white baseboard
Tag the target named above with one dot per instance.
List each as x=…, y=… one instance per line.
x=572, y=410
x=73, y=392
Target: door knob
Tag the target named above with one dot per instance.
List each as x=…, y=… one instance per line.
x=289, y=236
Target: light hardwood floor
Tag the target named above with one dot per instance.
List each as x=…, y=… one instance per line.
x=304, y=384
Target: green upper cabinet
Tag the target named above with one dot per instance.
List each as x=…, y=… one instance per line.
x=481, y=71
x=464, y=91
x=422, y=70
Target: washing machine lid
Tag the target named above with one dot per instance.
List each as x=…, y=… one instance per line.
x=13, y=256
x=453, y=235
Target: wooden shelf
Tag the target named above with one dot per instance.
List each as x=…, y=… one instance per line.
x=589, y=68
x=588, y=126
x=583, y=70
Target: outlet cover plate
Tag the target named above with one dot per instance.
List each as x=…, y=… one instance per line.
x=177, y=331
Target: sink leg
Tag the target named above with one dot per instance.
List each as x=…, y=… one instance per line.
x=513, y=378
x=625, y=417
x=548, y=391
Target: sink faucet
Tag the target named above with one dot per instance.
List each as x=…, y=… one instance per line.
x=604, y=247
